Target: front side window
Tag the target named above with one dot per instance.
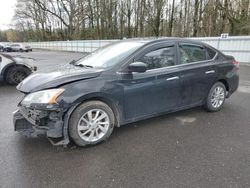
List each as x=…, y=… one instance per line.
x=159, y=58
x=191, y=53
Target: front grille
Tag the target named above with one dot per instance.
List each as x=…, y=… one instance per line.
x=33, y=116
x=22, y=124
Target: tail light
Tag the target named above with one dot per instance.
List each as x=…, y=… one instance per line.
x=236, y=64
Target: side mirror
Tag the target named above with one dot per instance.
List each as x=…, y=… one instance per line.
x=137, y=67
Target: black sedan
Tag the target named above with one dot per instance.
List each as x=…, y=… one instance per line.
x=122, y=83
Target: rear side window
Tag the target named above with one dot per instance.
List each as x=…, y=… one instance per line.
x=159, y=58
x=190, y=53
x=211, y=53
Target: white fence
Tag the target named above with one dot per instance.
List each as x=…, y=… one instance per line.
x=74, y=45
x=238, y=46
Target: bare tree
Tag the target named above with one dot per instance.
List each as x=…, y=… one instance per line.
x=107, y=19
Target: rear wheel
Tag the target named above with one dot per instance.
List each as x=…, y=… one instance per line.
x=216, y=97
x=17, y=74
x=91, y=123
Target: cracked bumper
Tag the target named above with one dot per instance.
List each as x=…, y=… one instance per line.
x=25, y=127
x=32, y=123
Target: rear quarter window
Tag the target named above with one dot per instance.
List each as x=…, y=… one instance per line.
x=210, y=53
x=190, y=53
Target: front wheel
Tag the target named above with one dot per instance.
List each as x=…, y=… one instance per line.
x=16, y=74
x=91, y=123
x=216, y=97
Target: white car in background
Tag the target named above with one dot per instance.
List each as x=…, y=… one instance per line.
x=20, y=48
x=14, y=69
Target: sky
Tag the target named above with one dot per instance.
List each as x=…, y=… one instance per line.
x=7, y=10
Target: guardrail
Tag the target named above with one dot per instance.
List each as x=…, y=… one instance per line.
x=238, y=46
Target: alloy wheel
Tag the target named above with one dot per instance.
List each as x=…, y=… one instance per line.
x=218, y=96
x=93, y=125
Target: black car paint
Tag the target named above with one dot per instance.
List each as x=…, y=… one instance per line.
x=134, y=96
x=55, y=77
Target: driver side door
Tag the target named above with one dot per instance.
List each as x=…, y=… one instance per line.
x=156, y=90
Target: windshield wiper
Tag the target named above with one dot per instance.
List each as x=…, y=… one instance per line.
x=73, y=62
x=81, y=65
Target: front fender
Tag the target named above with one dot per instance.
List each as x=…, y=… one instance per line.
x=5, y=69
x=26, y=62
x=68, y=113
x=26, y=65
x=114, y=103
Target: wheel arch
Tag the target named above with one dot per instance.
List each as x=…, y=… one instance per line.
x=5, y=68
x=225, y=83
x=107, y=100
x=11, y=65
x=114, y=105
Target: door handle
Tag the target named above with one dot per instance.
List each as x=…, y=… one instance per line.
x=210, y=72
x=173, y=78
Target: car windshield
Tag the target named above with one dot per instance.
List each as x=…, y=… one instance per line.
x=109, y=55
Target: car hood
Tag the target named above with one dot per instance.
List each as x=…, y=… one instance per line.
x=56, y=76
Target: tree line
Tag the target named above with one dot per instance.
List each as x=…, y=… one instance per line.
x=42, y=20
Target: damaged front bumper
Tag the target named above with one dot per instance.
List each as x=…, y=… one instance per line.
x=33, y=122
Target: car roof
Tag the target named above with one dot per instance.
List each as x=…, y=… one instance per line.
x=150, y=41
x=163, y=39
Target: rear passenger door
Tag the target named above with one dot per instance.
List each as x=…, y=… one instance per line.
x=197, y=72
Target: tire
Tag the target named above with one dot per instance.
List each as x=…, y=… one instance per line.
x=216, y=97
x=14, y=75
x=80, y=130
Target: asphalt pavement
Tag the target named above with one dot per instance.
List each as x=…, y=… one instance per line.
x=191, y=148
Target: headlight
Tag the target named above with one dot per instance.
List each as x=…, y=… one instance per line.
x=43, y=97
